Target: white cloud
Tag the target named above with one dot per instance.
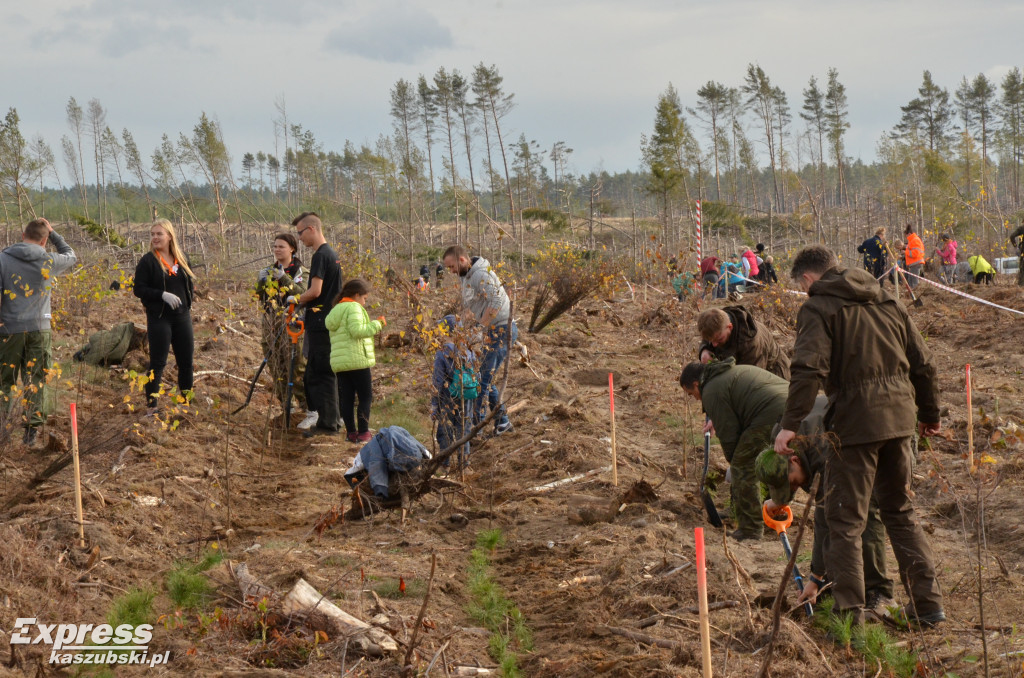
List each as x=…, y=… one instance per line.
x=391, y=33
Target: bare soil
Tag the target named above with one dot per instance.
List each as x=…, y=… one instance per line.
x=154, y=496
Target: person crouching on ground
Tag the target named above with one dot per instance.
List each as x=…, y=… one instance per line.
x=784, y=475
x=352, y=356
x=456, y=386
x=166, y=285
x=733, y=332
x=284, y=278
x=981, y=269
x=743, y=403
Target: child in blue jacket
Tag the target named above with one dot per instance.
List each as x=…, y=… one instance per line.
x=456, y=382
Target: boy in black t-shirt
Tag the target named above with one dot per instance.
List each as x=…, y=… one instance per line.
x=324, y=286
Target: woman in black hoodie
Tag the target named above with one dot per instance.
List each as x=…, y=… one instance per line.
x=165, y=284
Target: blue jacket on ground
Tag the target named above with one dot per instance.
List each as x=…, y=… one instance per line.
x=392, y=449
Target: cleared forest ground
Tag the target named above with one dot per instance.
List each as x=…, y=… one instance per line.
x=579, y=561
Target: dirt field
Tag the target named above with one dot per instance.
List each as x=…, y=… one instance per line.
x=155, y=496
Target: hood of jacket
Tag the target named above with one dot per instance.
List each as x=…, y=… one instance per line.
x=29, y=252
x=850, y=284
x=716, y=368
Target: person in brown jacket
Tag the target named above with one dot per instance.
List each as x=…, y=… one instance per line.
x=854, y=338
x=732, y=332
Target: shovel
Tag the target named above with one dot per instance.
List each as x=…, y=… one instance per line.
x=779, y=524
x=913, y=297
x=709, y=504
x=295, y=329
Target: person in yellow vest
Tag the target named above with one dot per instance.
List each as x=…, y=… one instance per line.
x=981, y=269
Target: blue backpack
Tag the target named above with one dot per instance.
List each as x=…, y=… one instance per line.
x=464, y=384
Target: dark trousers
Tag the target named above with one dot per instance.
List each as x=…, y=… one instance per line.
x=491, y=358
x=853, y=474
x=983, y=277
x=28, y=354
x=454, y=419
x=352, y=383
x=873, y=549
x=320, y=383
x=745, y=490
x=169, y=331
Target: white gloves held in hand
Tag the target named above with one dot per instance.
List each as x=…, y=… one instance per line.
x=172, y=300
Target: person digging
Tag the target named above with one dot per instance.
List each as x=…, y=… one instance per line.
x=743, y=402
x=784, y=475
x=733, y=332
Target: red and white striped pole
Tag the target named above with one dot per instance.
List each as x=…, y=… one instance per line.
x=700, y=241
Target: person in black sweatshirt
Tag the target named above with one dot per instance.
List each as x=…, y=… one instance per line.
x=165, y=284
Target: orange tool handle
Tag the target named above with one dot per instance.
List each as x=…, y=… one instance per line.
x=290, y=323
x=780, y=521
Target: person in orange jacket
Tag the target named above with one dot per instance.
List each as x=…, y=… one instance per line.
x=913, y=254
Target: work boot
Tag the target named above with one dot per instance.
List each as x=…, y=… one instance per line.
x=922, y=621
x=740, y=535
x=312, y=416
x=878, y=605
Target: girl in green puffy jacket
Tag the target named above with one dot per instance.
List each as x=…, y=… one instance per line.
x=352, y=334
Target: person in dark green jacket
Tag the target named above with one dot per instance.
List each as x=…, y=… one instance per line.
x=744, y=403
x=352, y=355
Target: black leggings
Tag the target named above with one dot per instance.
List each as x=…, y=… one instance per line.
x=986, y=277
x=350, y=384
x=170, y=330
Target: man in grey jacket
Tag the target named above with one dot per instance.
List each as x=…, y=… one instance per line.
x=27, y=271
x=484, y=296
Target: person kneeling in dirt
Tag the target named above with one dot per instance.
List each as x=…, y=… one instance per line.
x=456, y=385
x=390, y=452
x=783, y=475
x=732, y=332
x=743, y=403
x=109, y=347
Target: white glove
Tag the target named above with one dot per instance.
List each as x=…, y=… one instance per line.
x=277, y=272
x=172, y=300
x=290, y=299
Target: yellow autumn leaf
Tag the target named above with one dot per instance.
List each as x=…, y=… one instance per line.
x=988, y=459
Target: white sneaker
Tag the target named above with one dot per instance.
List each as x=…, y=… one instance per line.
x=310, y=421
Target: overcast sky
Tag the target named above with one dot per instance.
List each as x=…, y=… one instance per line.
x=587, y=73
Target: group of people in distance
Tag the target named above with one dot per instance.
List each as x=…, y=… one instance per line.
x=856, y=342
x=328, y=373
x=337, y=354
x=720, y=278
x=879, y=257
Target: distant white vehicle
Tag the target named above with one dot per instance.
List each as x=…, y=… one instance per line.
x=1008, y=265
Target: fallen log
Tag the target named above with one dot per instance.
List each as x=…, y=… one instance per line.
x=320, y=614
x=721, y=605
x=569, y=480
x=639, y=637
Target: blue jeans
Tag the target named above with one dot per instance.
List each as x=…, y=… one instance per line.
x=492, y=356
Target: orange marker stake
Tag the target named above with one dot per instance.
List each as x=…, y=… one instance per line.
x=702, y=601
x=970, y=424
x=78, y=474
x=611, y=400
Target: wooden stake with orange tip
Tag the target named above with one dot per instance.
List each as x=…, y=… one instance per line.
x=611, y=400
x=702, y=601
x=78, y=475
